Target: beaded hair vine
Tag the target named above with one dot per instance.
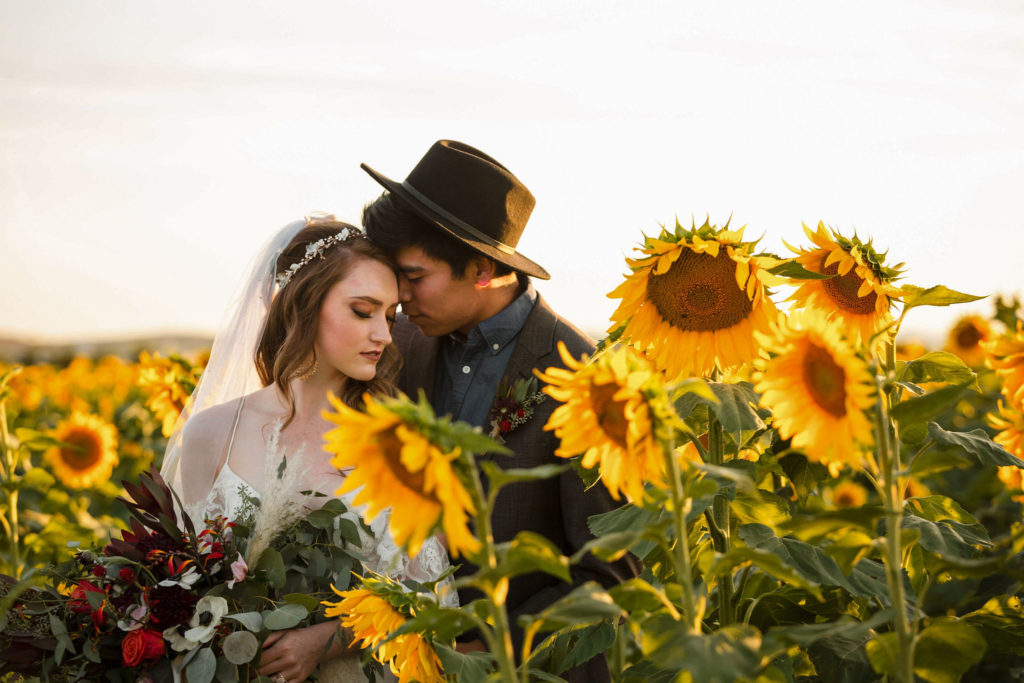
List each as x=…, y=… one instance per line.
x=316, y=250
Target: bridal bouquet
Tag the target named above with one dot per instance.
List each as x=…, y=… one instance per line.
x=169, y=597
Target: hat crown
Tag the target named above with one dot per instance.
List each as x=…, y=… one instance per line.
x=475, y=188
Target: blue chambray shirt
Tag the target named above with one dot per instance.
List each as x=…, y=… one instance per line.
x=470, y=367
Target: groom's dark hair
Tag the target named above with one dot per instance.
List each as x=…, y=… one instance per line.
x=392, y=224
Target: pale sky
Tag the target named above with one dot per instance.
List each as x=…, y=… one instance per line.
x=148, y=148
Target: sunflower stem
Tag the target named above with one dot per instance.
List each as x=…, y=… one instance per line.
x=681, y=505
x=892, y=494
x=500, y=642
x=10, y=463
x=720, y=514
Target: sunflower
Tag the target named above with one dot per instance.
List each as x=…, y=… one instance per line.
x=859, y=293
x=371, y=617
x=397, y=466
x=1006, y=357
x=965, y=339
x=90, y=455
x=606, y=414
x=169, y=382
x=849, y=494
x=1010, y=426
x=695, y=299
x=818, y=390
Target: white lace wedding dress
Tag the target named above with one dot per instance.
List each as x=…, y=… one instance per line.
x=380, y=554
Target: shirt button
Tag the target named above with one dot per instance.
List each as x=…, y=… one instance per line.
x=466, y=369
x=496, y=347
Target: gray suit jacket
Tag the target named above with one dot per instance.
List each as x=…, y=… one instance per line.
x=556, y=508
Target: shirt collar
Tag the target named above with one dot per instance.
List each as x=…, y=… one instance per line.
x=502, y=327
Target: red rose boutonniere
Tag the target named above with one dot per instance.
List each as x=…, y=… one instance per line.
x=513, y=407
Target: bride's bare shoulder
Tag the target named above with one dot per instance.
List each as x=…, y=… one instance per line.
x=209, y=428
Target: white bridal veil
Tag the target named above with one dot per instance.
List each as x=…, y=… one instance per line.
x=231, y=371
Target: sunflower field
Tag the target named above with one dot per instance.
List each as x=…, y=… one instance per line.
x=813, y=497
x=68, y=436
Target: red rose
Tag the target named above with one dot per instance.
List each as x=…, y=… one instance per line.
x=141, y=646
x=99, y=571
x=520, y=413
x=505, y=426
x=127, y=575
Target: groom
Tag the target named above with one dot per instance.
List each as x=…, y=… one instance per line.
x=475, y=326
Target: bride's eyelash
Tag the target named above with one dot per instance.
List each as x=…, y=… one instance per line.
x=362, y=314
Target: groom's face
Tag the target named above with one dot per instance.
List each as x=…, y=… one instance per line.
x=432, y=297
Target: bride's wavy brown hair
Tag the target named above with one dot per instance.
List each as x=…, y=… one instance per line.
x=286, y=348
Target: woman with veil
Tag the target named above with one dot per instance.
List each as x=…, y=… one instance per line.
x=313, y=317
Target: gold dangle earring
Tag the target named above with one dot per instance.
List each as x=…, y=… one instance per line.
x=312, y=369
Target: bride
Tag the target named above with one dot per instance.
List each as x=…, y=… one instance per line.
x=314, y=316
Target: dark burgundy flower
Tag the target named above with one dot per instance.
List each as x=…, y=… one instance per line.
x=171, y=605
x=127, y=574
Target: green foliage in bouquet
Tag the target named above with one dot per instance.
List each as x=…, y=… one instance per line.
x=170, y=595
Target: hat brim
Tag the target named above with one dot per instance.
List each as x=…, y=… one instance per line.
x=515, y=260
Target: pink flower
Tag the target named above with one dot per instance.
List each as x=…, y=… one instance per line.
x=238, y=571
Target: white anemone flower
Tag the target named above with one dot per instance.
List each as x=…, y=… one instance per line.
x=204, y=623
x=177, y=637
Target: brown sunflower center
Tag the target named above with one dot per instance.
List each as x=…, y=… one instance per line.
x=391, y=448
x=610, y=413
x=968, y=336
x=843, y=291
x=89, y=450
x=699, y=293
x=825, y=380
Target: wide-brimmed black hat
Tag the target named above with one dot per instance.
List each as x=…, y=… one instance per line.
x=471, y=197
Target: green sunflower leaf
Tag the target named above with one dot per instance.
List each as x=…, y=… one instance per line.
x=976, y=444
x=587, y=604
x=794, y=270
x=530, y=552
x=938, y=295
x=938, y=366
x=921, y=409
x=946, y=649
x=728, y=654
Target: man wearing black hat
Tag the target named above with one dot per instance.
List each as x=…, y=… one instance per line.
x=475, y=326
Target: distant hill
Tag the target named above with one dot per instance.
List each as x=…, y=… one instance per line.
x=29, y=351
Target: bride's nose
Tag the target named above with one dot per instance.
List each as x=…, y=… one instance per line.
x=381, y=332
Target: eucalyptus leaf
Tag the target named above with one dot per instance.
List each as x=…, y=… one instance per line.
x=286, y=616
x=203, y=667
x=251, y=620
x=307, y=601
x=272, y=563
x=240, y=647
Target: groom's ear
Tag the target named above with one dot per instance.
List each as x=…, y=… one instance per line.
x=481, y=269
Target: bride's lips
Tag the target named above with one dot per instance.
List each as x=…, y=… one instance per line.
x=371, y=355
